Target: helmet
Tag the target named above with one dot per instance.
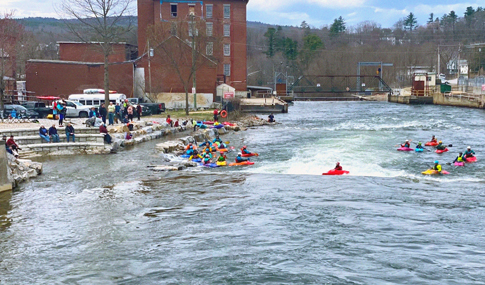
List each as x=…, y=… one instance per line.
x=191, y=146
x=436, y=162
x=207, y=155
x=469, y=147
x=440, y=141
x=244, y=146
x=419, y=143
x=407, y=140
x=239, y=154
x=338, y=163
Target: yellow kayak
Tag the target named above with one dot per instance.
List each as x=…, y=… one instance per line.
x=221, y=163
x=434, y=172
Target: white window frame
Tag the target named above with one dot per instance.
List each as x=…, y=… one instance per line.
x=228, y=14
x=207, y=15
x=176, y=13
x=227, y=49
x=209, y=31
x=209, y=48
x=227, y=30
x=227, y=69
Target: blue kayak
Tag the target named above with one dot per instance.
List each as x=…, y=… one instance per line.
x=419, y=149
x=196, y=160
x=211, y=165
x=185, y=156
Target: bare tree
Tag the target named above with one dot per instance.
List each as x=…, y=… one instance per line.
x=11, y=34
x=103, y=22
x=183, y=47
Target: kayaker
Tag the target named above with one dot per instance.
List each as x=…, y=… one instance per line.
x=239, y=158
x=190, y=151
x=245, y=150
x=207, y=152
x=406, y=144
x=459, y=158
x=207, y=159
x=218, y=140
x=195, y=154
x=437, y=166
x=419, y=145
x=207, y=147
x=440, y=146
x=338, y=166
x=433, y=139
x=469, y=152
x=222, y=157
x=204, y=143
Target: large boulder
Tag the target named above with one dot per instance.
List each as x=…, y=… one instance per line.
x=170, y=146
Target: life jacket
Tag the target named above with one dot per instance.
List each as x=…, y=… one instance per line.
x=459, y=159
x=437, y=167
x=221, y=158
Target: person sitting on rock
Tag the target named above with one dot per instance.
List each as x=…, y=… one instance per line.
x=12, y=144
x=70, y=132
x=128, y=136
x=240, y=159
x=104, y=130
x=53, y=134
x=43, y=133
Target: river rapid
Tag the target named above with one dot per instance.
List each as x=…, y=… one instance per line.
x=107, y=219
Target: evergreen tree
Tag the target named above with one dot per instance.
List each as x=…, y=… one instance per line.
x=431, y=18
x=410, y=21
x=337, y=27
x=271, y=37
x=311, y=43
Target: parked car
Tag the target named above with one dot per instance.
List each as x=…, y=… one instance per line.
x=38, y=107
x=155, y=108
x=76, y=109
x=22, y=112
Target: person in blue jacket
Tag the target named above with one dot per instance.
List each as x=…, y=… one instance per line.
x=245, y=150
x=419, y=145
x=239, y=158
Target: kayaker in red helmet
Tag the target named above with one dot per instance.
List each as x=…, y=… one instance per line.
x=338, y=166
x=244, y=150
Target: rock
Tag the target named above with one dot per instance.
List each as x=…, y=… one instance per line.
x=164, y=168
x=170, y=146
x=187, y=140
x=148, y=130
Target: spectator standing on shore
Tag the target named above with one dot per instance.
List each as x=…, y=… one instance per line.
x=117, y=112
x=138, y=111
x=61, y=108
x=103, y=130
x=43, y=133
x=111, y=113
x=12, y=144
x=130, y=113
x=216, y=113
x=103, y=112
x=54, y=136
x=70, y=132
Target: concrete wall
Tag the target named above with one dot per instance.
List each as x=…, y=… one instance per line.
x=5, y=184
x=460, y=101
x=177, y=100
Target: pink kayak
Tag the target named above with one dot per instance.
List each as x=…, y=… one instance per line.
x=335, y=172
x=471, y=159
x=459, y=163
x=403, y=148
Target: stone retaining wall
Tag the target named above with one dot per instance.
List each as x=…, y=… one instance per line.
x=5, y=183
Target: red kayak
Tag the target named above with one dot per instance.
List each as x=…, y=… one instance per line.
x=335, y=172
x=431, y=144
x=441, y=150
x=249, y=154
x=471, y=159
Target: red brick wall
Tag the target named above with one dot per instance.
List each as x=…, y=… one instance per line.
x=86, y=52
x=62, y=79
x=149, y=14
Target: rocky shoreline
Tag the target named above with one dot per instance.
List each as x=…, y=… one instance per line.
x=20, y=170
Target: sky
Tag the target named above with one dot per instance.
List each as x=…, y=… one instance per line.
x=317, y=13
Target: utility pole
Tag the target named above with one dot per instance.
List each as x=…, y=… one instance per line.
x=479, y=60
x=150, y=54
x=439, y=70
x=193, y=61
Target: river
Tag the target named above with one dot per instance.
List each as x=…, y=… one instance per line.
x=106, y=219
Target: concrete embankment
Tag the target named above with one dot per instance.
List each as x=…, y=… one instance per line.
x=5, y=183
x=457, y=99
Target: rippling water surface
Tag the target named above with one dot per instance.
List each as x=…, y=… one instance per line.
x=108, y=220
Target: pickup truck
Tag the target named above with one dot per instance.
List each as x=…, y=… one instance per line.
x=155, y=108
x=76, y=109
x=38, y=107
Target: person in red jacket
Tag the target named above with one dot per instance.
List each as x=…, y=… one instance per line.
x=12, y=144
x=216, y=113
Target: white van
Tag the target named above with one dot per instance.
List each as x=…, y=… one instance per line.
x=97, y=99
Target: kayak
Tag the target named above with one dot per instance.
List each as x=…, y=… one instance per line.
x=185, y=156
x=335, y=172
x=249, y=154
x=196, y=160
x=403, y=148
x=431, y=144
x=241, y=163
x=211, y=165
x=471, y=159
x=221, y=163
x=441, y=150
x=228, y=124
x=220, y=126
x=419, y=149
x=222, y=150
x=434, y=172
x=459, y=163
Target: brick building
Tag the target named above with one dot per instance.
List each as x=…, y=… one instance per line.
x=224, y=20
x=81, y=66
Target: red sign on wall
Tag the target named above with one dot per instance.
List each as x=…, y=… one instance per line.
x=228, y=95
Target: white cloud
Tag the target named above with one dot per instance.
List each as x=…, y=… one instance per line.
x=338, y=3
x=268, y=5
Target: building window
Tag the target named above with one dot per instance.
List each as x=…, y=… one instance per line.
x=227, y=30
x=173, y=10
x=208, y=11
x=227, y=49
x=209, y=48
x=227, y=69
x=209, y=28
x=227, y=11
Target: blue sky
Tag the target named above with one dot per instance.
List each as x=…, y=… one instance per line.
x=316, y=13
